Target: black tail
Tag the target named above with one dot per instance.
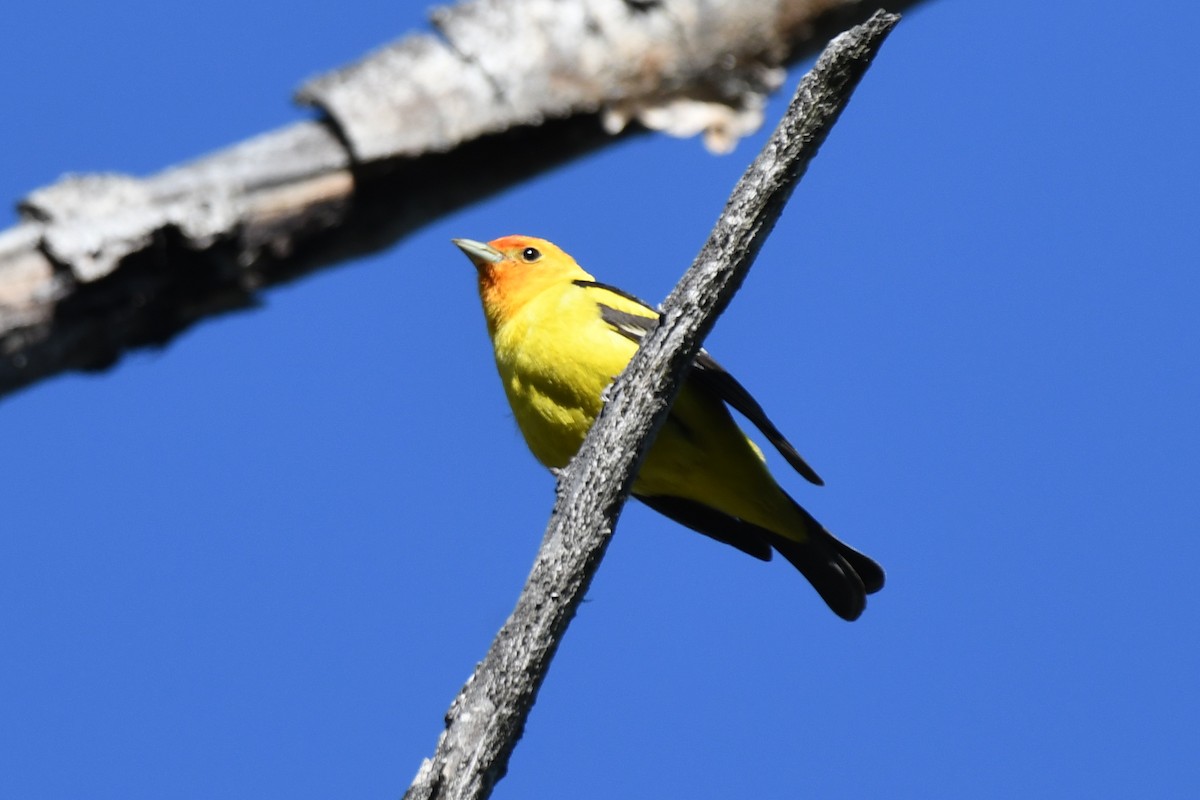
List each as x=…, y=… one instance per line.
x=840, y=574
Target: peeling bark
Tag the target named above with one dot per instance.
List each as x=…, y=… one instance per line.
x=101, y=264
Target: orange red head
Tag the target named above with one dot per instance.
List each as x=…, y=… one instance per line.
x=512, y=269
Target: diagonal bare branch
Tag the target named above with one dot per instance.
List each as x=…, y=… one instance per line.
x=488, y=716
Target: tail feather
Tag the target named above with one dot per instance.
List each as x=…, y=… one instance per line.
x=868, y=571
x=840, y=574
x=834, y=578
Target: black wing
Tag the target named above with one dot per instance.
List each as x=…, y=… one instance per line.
x=748, y=538
x=710, y=374
x=713, y=375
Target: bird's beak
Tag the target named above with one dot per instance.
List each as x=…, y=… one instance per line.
x=481, y=255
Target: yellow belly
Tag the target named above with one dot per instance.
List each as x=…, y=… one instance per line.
x=554, y=377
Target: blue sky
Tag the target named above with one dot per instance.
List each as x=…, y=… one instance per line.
x=262, y=561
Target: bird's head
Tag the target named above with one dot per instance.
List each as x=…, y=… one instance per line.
x=513, y=269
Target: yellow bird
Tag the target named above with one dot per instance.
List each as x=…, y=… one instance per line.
x=561, y=338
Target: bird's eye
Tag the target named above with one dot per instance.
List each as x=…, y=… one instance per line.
x=530, y=255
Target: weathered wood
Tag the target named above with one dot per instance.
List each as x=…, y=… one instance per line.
x=488, y=716
x=101, y=264
x=107, y=262
x=498, y=64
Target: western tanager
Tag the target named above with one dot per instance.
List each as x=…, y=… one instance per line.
x=561, y=338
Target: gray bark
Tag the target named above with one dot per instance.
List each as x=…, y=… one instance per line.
x=101, y=264
x=488, y=716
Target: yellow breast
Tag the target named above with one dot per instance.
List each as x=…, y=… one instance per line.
x=555, y=358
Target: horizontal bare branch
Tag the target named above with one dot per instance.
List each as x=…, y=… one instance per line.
x=101, y=264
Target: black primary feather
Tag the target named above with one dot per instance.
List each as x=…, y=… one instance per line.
x=709, y=374
x=712, y=523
